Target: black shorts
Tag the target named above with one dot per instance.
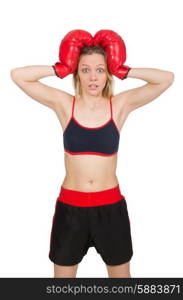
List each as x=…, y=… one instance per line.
x=96, y=219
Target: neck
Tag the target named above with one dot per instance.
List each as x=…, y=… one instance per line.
x=91, y=101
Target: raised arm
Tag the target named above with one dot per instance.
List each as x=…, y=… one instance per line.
x=157, y=82
x=27, y=78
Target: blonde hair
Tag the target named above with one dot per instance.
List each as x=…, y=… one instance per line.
x=108, y=89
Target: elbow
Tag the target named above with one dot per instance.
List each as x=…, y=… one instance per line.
x=170, y=77
x=14, y=74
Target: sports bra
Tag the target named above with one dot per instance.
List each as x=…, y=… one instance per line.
x=79, y=139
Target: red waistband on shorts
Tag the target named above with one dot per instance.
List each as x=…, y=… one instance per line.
x=78, y=198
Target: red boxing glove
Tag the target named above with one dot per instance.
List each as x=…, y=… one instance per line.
x=69, y=51
x=115, y=50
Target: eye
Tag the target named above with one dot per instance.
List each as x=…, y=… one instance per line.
x=100, y=70
x=83, y=70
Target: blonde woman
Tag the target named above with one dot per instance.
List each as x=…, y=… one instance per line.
x=90, y=210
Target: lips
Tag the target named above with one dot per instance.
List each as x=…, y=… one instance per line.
x=93, y=86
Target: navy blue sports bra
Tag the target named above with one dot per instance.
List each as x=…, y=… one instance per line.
x=102, y=140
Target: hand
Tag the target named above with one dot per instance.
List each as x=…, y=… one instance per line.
x=115, y=50
x=69, y=51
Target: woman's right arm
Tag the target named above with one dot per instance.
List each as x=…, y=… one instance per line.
x=27, y=78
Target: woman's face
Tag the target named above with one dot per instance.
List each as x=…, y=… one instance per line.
x=92, y=73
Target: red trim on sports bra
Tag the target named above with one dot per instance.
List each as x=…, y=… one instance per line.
x=92, y=153
x=111, y=108
x=92, y=128
x=67, y=125
x=73, y=102
x=87, y=126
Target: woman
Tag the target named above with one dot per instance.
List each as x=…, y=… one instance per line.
x=90, y=209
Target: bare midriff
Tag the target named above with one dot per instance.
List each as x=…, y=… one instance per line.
x=90, y=173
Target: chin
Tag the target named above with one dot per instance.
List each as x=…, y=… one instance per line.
x=94, y=92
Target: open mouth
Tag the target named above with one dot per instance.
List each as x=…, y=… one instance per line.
x=93, y=86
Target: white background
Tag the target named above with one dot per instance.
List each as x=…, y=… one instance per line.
x=150, y=153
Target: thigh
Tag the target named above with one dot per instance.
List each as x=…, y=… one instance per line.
x=113, y=233
x=65, y=271
x=69, y=235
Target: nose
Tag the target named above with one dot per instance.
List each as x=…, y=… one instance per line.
x=93, y=75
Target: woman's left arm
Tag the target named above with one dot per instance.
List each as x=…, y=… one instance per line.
x=157, y=82
x=154, y=76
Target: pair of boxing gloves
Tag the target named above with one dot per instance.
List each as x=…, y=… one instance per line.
x=75, y=40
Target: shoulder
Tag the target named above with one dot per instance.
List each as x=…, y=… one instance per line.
x=63, y=96
x=63, y=101
x=119, y=100
x=119, y=105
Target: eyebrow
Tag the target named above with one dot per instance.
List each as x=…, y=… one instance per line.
x=88, y=65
